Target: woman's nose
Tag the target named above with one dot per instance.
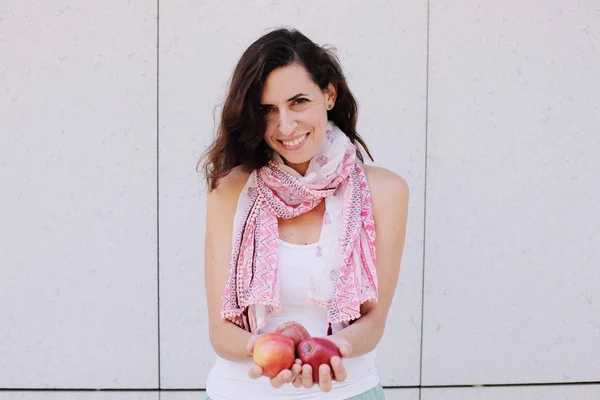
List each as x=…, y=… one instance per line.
x=287, y=124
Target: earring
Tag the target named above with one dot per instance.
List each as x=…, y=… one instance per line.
x=329, y=106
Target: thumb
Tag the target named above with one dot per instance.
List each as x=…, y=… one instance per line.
x=343, y=345
x=346, y=349
x=250, y=345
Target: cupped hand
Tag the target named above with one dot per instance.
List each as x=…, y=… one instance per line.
x=285, y=376
x=327, y=375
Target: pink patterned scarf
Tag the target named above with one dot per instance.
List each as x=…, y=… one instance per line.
x=251, y=294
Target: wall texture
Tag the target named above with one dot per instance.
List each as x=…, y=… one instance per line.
x=488, y=110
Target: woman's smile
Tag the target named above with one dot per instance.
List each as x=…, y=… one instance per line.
x=295, y=143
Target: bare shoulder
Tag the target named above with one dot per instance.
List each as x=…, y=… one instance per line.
x=223, y=199
x=230, y=186
x=386, y=186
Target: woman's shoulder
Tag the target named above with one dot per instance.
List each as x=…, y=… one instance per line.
x=383, y=180
x=389, y=195
x=229, y=187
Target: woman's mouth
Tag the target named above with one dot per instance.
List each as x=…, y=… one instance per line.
x=294, y=144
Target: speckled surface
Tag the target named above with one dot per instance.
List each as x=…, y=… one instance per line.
x=79, y=395
x=78, y=287
x=512, y=232
x=555, y=392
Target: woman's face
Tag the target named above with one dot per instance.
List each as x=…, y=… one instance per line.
x=295, y=111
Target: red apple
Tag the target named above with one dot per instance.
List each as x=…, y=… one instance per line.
x=294, y=330
x=317, y=351
x=274, y=352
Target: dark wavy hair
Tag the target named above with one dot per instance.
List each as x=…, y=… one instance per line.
x=240, y=135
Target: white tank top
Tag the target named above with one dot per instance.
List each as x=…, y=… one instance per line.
x=229, y=380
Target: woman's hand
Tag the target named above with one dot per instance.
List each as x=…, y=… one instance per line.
x=285, y=376
x=305, y=379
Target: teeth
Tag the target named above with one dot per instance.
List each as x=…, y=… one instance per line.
x=295, y=142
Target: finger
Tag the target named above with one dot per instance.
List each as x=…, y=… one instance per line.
x=339, y=371
x=307, y=380
x=281, y=378
x=347, y=349
x=296, y=370
x=298, y=361
x=325, y=378
x=298, y=381
x=255, y=372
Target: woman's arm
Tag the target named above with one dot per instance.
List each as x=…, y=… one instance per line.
x=390, y=194
x=227, y=339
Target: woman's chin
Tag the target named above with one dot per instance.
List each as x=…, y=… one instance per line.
x=297, y=163
x=297, y=160
x=297, y=157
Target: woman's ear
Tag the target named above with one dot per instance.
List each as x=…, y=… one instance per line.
x=330, y=94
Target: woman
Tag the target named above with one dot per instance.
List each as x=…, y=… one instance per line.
x=292, y=217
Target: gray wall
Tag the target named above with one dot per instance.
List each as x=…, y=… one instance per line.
x=488, y=110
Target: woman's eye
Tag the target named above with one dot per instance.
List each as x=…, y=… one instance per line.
x=265, y=110
x=301, y=100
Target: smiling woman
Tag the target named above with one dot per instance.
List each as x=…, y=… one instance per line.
x=292, y=218
x=256, y=101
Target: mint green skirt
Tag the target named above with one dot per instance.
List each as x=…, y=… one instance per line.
x=372, y=394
